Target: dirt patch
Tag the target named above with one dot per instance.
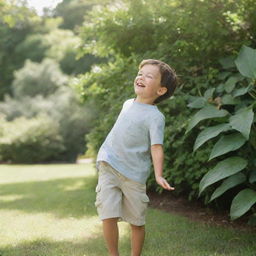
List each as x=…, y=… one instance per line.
x=195, y=211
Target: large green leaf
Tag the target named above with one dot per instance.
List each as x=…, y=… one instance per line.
x=242, y=91
x=242, y=202
x=198, y=102
x=209, y=93
x=205, y=113
x=227, y=99
x=220, y=88
x=246, y=62
x=242, y=121
x=209, y=133
x=227, y=184
x=222, y=170
x=230, y=84
x=223, y=75
x=226, y=144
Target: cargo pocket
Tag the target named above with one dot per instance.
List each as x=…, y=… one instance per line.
x=145, y=201
x=145, y=198
x=98, y=201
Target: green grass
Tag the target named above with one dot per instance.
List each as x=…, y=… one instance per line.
x=48, y=210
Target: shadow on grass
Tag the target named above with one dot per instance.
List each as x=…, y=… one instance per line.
x=69, y=197
x=94, y=246
x=168, y=240
x=46, y=247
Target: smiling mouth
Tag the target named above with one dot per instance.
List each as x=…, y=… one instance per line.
x=140, y=85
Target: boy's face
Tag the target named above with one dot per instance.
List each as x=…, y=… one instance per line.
x=147, y=83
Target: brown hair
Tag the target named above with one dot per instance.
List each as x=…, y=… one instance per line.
x=168, y=77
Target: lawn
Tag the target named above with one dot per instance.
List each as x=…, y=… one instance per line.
x=48, y=210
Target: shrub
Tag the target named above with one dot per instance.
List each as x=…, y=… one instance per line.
x=229, y=109
x=33, y=96
x=30, y=140
x=38, y=78
x=106, y=88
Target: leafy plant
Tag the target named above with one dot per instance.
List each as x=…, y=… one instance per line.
x=36, y=139
x=229, y=111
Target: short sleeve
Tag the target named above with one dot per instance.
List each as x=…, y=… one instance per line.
x=127, y=103
x=156, y=130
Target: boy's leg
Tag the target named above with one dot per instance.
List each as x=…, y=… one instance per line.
x=137, y=239
x=135, y=202
x=109, y=203
x=110, y=231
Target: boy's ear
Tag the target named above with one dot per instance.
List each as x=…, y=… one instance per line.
x=161, y=91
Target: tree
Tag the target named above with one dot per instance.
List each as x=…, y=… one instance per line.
x=41, y=88
x=16, y=22
x=74, y=11
x=38, y=78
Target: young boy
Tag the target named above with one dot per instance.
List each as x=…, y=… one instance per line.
x=124, y=158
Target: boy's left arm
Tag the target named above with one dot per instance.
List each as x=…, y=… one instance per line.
x=158, y=160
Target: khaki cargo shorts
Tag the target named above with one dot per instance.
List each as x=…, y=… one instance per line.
x=120, y=197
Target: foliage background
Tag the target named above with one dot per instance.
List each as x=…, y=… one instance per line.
x=191, y=36
x=38, y=63
x=96, y=54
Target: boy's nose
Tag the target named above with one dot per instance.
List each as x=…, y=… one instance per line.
x=142, y=77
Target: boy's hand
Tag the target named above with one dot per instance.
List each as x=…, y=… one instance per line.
x=163, y=183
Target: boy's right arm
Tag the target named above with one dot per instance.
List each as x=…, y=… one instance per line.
x=158, y=159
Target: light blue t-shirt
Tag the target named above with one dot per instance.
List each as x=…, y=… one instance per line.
x=127, y=146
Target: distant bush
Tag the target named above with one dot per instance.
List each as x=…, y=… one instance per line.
x=33, y=47
x=30, y=140
x=38, y=78
x=41, y=88
x=74, y=119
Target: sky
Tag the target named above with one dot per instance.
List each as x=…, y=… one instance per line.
x=38, y=5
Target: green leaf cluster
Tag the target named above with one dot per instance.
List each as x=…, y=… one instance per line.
x=236, y=97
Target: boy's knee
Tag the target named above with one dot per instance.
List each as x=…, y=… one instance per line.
x=110, y=220
x=137, y=227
